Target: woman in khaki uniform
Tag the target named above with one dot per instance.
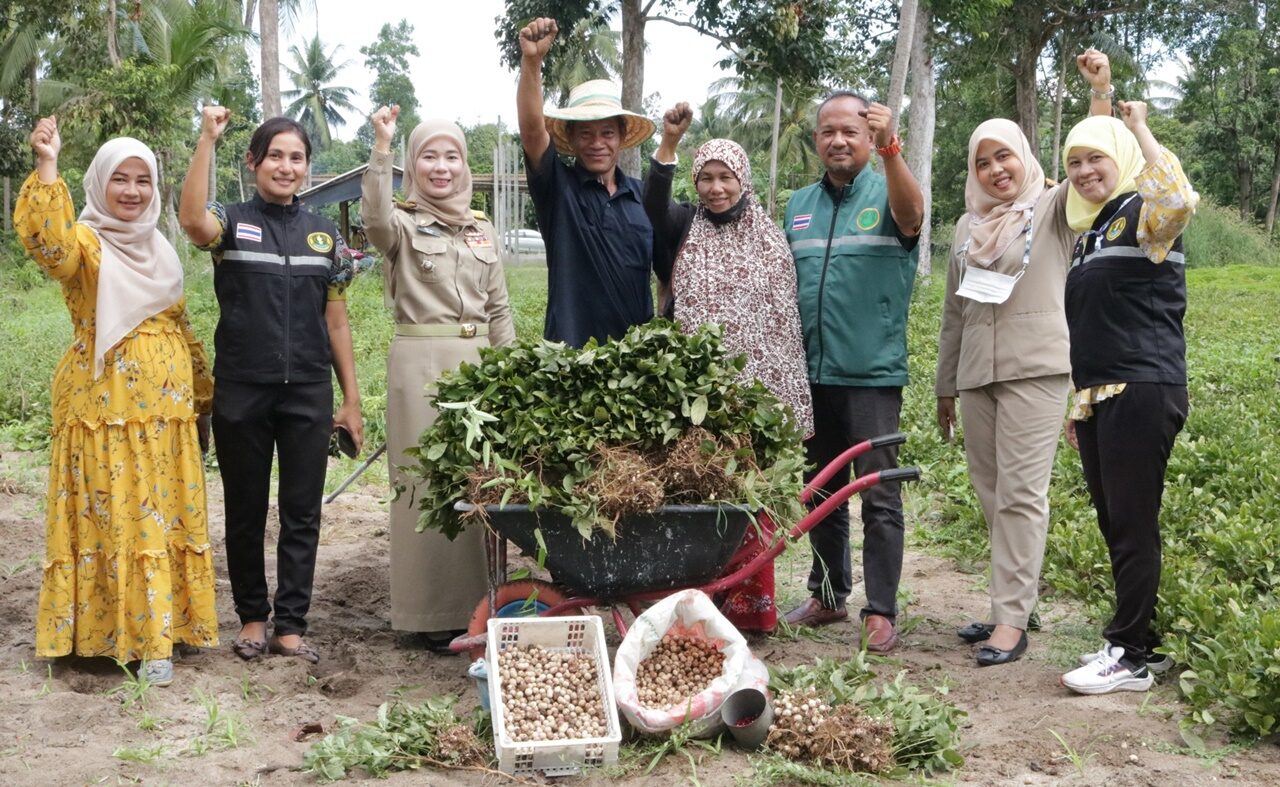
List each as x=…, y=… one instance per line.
x=445, y=284
x=1004, y=350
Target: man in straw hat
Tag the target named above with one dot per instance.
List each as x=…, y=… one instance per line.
x=599, y=240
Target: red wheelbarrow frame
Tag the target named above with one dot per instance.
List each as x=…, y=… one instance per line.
x=496, y=545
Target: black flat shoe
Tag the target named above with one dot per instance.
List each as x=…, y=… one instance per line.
x=989, y=657
x=976, y=632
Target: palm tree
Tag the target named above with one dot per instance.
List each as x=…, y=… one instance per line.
x=750, y=106
x=316, y=102
x=272, y=16
x=590, y=51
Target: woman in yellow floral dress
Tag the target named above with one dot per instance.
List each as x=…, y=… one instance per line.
x=128, y=571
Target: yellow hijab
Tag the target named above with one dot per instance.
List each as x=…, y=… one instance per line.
x=1110, y=136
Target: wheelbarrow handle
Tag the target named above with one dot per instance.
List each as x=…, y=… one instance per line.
x=848, y=455
x=811, y=521
x=900, y=474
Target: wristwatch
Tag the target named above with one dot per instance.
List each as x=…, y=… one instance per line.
x=892, y=149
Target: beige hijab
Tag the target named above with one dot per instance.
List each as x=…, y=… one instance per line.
x=141, y=274
x=454, y=210
x=993, y=224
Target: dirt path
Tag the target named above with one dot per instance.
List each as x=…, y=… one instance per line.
x=60, y=725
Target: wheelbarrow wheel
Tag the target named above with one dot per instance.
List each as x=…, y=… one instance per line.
x=512, y=602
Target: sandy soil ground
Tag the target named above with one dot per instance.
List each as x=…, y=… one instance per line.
x=60, y=723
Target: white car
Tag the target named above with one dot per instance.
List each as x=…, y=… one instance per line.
x=525, y=241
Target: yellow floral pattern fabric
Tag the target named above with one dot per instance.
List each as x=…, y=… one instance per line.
x=1168, y=203
x=128, y=567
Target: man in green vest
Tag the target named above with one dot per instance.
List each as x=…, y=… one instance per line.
x=853, y=235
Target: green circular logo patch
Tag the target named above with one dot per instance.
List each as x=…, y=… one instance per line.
x=321, y=242
x=868, y=219
x=1116, y=228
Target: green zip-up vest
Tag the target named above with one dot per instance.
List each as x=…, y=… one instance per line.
x=854, y=278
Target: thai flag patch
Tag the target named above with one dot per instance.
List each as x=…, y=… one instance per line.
x=248, y=232
x=801, y=221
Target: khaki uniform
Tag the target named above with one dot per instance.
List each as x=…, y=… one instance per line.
x=447, y=291
x=1010, y=365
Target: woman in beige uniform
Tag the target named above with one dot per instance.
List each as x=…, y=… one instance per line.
x=1004, y=349
x=445, y=284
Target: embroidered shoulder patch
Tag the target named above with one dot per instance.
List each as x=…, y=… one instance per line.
x=321, y=242
x=801, y=221
x=868, y=219
x=1116, y=228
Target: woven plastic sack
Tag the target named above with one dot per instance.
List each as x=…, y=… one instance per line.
x=689, y=613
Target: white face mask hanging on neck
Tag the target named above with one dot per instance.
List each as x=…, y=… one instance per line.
x=988, y=286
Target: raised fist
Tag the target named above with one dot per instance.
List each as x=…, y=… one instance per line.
x=1095, y=68
x=45, y=139
x=1133, y=113
x=384, y=123
x=536, y=37
x=214, y=120
x=675, y=122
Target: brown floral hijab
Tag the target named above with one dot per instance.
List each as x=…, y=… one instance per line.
x=739, y=275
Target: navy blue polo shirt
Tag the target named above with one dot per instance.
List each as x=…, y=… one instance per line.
x=599, y=252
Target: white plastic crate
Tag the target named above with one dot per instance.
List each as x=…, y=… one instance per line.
x=582, y=634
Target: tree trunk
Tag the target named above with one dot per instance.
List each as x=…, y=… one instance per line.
x=1275, y=191
x=1057, y=110
x=250, y=8
x=269, y=33
x=773, y=150
x=901, y=56
x=33, y=81
x=1244, y=180
x=172, y=230
x=1028, y=104
x=8, y=205
x=113, y=50
x=633, y=21
x=922, y=117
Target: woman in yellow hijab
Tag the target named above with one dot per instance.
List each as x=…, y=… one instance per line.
x=1125, y=299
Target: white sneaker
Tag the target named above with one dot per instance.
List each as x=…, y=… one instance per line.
x=158, y=672
x=1156, y=662
x=1107, y=673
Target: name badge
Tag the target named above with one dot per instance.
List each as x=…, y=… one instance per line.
x=986, y=286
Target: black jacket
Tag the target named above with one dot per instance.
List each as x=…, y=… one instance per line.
x=272, y=273
x=1124, y=311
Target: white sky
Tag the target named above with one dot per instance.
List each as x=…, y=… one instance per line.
x=458, y=75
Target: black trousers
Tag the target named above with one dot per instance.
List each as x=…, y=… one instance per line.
x=843, y=416
x=1124, y=450
x=251, y=422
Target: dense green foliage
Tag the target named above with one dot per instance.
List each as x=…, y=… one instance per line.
x=536, y=413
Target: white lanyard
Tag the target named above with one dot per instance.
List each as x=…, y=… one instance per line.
x=988, y=286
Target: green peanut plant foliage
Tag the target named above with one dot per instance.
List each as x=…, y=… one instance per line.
x=532, y=414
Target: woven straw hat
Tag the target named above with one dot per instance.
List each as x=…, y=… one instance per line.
x=596, y=100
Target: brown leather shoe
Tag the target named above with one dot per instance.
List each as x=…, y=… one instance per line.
x=812, y=613
x=878, y=634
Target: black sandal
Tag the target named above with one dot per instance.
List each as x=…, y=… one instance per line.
x=303, y=651
x=249, y=649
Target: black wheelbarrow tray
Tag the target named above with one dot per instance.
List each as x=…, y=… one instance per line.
x=671, y=547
